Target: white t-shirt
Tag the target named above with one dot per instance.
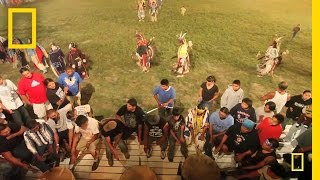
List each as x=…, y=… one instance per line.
x=92, y=129
x=260, y=112
x=8, y=95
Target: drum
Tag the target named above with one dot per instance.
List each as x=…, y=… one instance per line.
x=60, y=173
x=200, y=166
x=138, y=172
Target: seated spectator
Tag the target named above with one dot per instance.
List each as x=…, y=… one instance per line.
x=88, y=128
x=263, y=156
x=242, y=111
x=115, y=132
x=133, y=117
x=39, y=141
x=155, y=129
x=242, y=139
x=220, y=121
x=270, y=128
x=177, y=124
x=13, y=149
x=265, y=111
x=55, y=94
x=57, y=120
x=303, y=123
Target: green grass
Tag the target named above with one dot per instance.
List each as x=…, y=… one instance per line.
x=226, y=36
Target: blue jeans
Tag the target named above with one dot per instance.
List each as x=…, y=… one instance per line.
x=21, y=115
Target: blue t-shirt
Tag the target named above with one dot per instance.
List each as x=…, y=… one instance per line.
x=218, y=124
x=164, y=96
x=72, y=82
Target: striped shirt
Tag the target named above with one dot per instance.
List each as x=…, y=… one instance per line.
x=39, y=138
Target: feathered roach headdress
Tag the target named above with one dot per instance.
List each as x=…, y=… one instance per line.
x=181, y=37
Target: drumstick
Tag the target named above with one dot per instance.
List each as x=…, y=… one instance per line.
x=61, y=171
x=152, y=110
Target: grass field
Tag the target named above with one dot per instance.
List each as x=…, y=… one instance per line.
x=226, y=35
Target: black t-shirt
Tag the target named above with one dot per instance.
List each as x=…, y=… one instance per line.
x=53, y=96
x=208, y=94
x=156, y=131
x=132, y=119
x=238, y=113
x=9, y=145
x=241, y=142
x=176, y=125
x=297, y=103
x=120, y=128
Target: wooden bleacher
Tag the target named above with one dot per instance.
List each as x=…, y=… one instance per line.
x=164, y=169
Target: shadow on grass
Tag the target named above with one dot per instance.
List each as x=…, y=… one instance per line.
x=86, y=93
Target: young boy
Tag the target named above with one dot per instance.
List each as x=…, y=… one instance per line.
x=155, y=129
x=177, y=126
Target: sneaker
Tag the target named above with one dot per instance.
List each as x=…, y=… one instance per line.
x=127, y=155
x=149, y=151
x=163, y=154
x=95, y=165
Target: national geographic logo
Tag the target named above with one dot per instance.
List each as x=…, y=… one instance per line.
x=297, y=162
x=33, y=12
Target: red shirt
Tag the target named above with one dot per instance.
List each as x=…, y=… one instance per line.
x=33, y=88
x=267, y=131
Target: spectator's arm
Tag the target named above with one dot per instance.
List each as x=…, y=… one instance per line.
x=9, y=157
x=267, y=96
x=20, y=132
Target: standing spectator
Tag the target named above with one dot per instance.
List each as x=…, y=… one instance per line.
x=242, y=111
x=270, y=128
x=196, y=125
x=155, y=129
x=33, y=92
x=70, y=80
x=133, y=117
x=280, y=96
x=295, y=106
x=208, y=92
x=265, y=111
x=177, y=124
x=88, y=128
x=55, y=94
x=232, y=96
x=11, y=102
x=115, y=132
x=39, y=141
x=165, y=96
x=220, y=121
x=242, y=139
x=295, y=31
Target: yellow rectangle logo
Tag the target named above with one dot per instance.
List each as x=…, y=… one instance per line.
x=33, y=12
x=297, y=162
